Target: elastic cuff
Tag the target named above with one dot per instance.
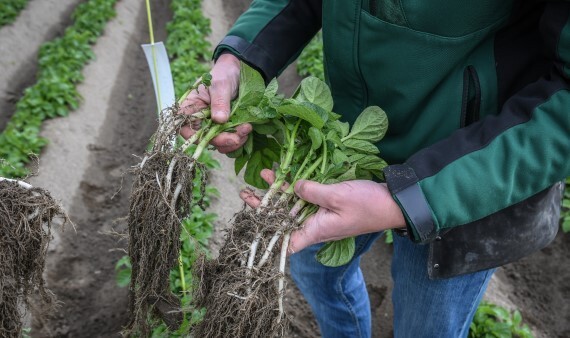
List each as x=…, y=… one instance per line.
x=403, y=185
x=249, y=53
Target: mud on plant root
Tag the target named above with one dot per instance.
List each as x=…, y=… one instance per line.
x=242, y=302
x=26, y=219
x=161, y=197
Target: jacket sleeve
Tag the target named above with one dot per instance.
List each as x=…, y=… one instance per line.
x=272, y=33
x=502, y=159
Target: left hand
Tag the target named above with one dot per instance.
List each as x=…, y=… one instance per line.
x=347, y=209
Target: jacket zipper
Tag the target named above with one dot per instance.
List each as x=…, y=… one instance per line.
x=471, y=101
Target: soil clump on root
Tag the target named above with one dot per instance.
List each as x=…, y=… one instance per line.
x=26, y=218
x=243, y=300
x=161, y=197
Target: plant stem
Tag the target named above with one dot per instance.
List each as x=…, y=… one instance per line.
x=324, y=167
x=20, y=183
x=304, y=175
x=281, y=282
x=284, y=167
x=303, y=165
x=182, y=276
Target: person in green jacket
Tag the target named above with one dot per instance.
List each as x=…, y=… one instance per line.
x=478, y=99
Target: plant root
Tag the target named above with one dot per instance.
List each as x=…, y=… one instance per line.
x=26, y=218
x=161, y=197
x=242, y=302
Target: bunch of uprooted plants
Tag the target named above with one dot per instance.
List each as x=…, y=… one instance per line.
x=26, y=218
x=242, y=290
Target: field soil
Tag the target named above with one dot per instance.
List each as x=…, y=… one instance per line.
x=91, y=150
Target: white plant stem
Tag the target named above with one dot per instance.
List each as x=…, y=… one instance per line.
x=281, y=282
x=253, y=248
x=169, y=176
x=178, y=189
x=270, y=246
x=20, y=183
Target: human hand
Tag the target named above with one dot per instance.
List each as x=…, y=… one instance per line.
x=223, y=88
x=347, y=209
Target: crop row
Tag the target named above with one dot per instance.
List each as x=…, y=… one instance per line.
x=54, y=93
x=9, y=10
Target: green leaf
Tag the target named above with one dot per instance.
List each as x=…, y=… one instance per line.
x=303, y=112
x=272, y=88
x=250, y=99
x=248, y=146
x=336, y=253
x=334, y=138
x=250, y=81
x=334, y=116
x=316, y=138
x=566, y=225
x=389, y=237
x=123, y=277
x=123, y=271
x=316, y=91
x=349, y=175
x=371, y=125
x=342, y=128
x=236, y=153
x=368, y=162
x=247, y=115
x=339, y=157
x=265, y=129
x=252, y=170
x=361, y=146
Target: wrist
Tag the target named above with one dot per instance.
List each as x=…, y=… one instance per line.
x=391, y=213
x=227, y=58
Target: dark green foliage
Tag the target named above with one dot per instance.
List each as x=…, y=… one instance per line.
x=310, y=61
x=9, y=10
x=186, y=43
x=54, y=94
x=493, y=321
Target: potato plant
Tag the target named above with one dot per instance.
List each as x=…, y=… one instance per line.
x=302, y=139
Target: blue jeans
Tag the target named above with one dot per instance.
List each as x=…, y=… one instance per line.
x=422, y=307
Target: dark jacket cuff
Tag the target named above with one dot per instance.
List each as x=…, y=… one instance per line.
x=403, y=185
x=249, y=53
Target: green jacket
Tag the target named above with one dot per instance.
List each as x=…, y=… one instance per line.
x=477, y=92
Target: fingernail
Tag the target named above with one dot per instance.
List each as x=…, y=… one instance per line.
x=299, y=186
x=219, y=115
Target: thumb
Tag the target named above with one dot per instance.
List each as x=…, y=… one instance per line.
x=320, y=194
x=220, y=98
x=300, y=239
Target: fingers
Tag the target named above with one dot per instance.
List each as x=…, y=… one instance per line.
x=320, y=194
x=299, y=241
x=196, y=101
x=225, y=81
x=268, y=176
x=250, y=198
x=305, y=236
x=187, y=132
x=228, y=142
x=220, y=96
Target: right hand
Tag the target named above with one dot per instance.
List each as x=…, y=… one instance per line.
x=223, y=88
